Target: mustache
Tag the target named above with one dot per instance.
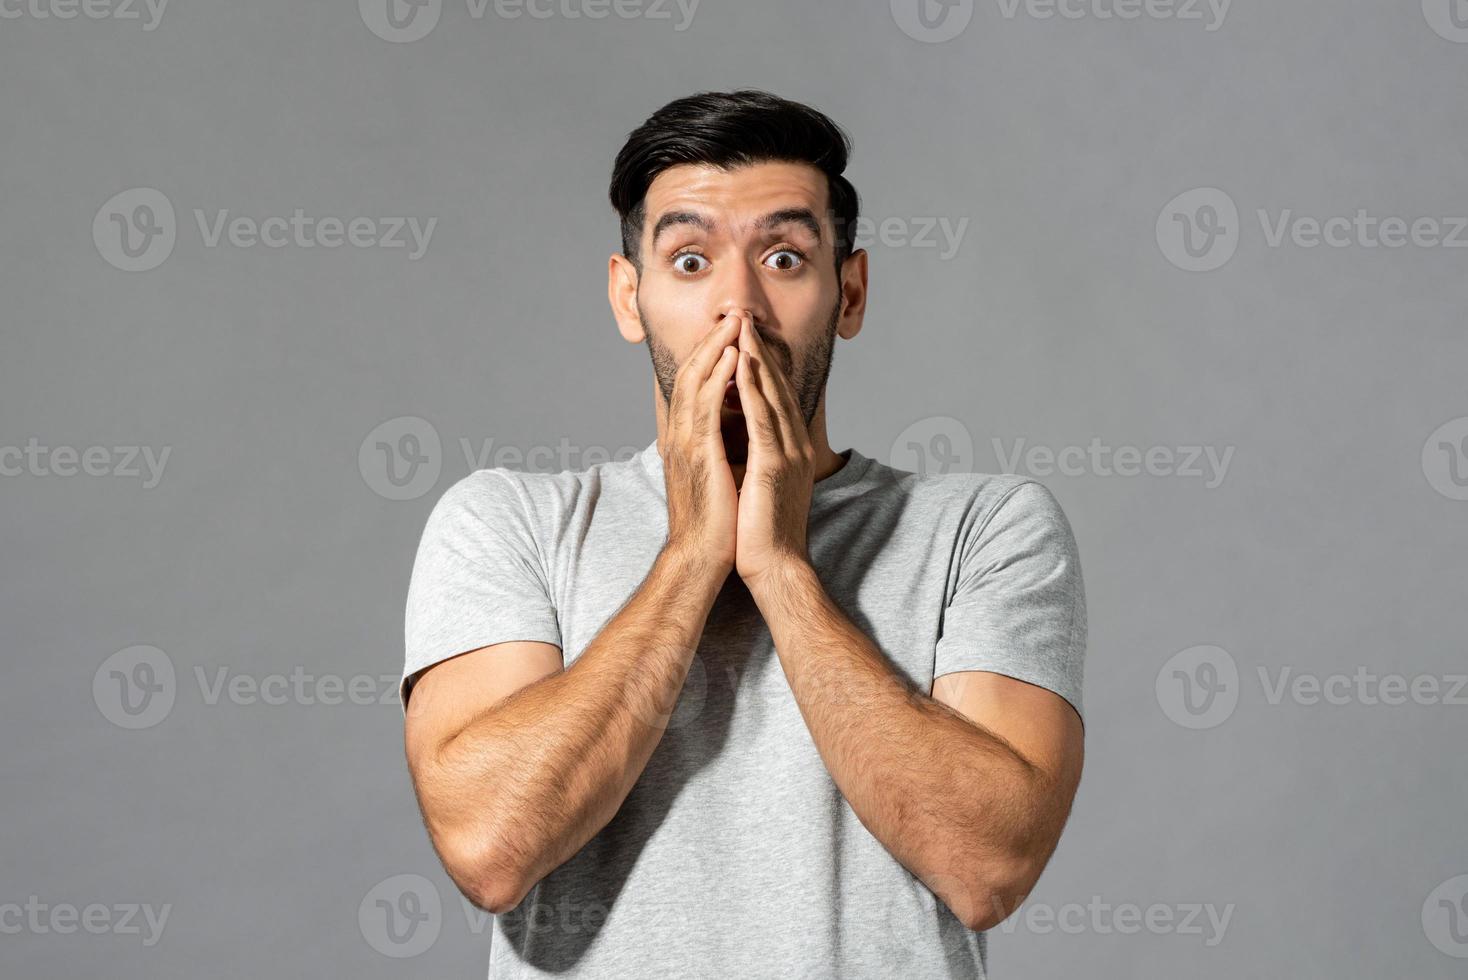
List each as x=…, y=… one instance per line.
x=779, y=356
x=778, y=349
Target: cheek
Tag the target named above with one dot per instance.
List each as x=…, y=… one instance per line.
x=672, y=319
x=676, y=311
x=804, y=309
x=803, y=300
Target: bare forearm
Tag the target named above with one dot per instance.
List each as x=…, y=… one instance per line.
x=532, y=778
x=952, y=802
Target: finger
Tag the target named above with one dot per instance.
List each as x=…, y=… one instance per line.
x=705, y=353
x=773, y=386
x=759, y=417
x=695, y=371
x=711, y=395
x=777, y=386
x=705, y=404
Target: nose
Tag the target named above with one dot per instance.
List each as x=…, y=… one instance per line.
x=740, y=289
x=760, y=321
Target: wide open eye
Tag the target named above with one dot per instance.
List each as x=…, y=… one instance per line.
x=687, y=263
x=788, y=260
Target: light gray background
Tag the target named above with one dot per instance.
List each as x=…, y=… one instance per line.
x=267, y=548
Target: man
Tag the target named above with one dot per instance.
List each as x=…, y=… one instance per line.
x=742, y=706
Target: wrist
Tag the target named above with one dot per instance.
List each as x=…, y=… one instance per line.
x=788, y=575
x=691, y=568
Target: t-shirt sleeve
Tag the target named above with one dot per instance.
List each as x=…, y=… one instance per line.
x=477, y=579
x=1019, y=607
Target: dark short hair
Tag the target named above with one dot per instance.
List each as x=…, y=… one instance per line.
x=728, y=130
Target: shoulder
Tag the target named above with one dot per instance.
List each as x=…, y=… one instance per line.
x=484, y=497
x=978, y=497
x=528, y=497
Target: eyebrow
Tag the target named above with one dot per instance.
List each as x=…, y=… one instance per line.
x=804, y=217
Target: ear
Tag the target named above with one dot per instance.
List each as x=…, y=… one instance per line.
x=622, y=294
x=853, y=294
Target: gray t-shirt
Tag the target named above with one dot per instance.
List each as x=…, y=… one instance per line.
x=735, y=855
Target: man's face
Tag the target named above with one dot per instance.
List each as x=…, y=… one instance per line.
x=756, y=238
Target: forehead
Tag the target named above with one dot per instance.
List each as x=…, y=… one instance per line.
x=742, y=193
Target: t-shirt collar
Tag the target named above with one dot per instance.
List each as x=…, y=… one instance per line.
x=852, y=470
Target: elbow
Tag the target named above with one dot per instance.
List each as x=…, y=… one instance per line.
x=981, y=900
x=473, y=842
x=989, y=911
x=497, y=895
x=482, y=874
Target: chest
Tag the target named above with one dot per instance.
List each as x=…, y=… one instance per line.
x=892, y=582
